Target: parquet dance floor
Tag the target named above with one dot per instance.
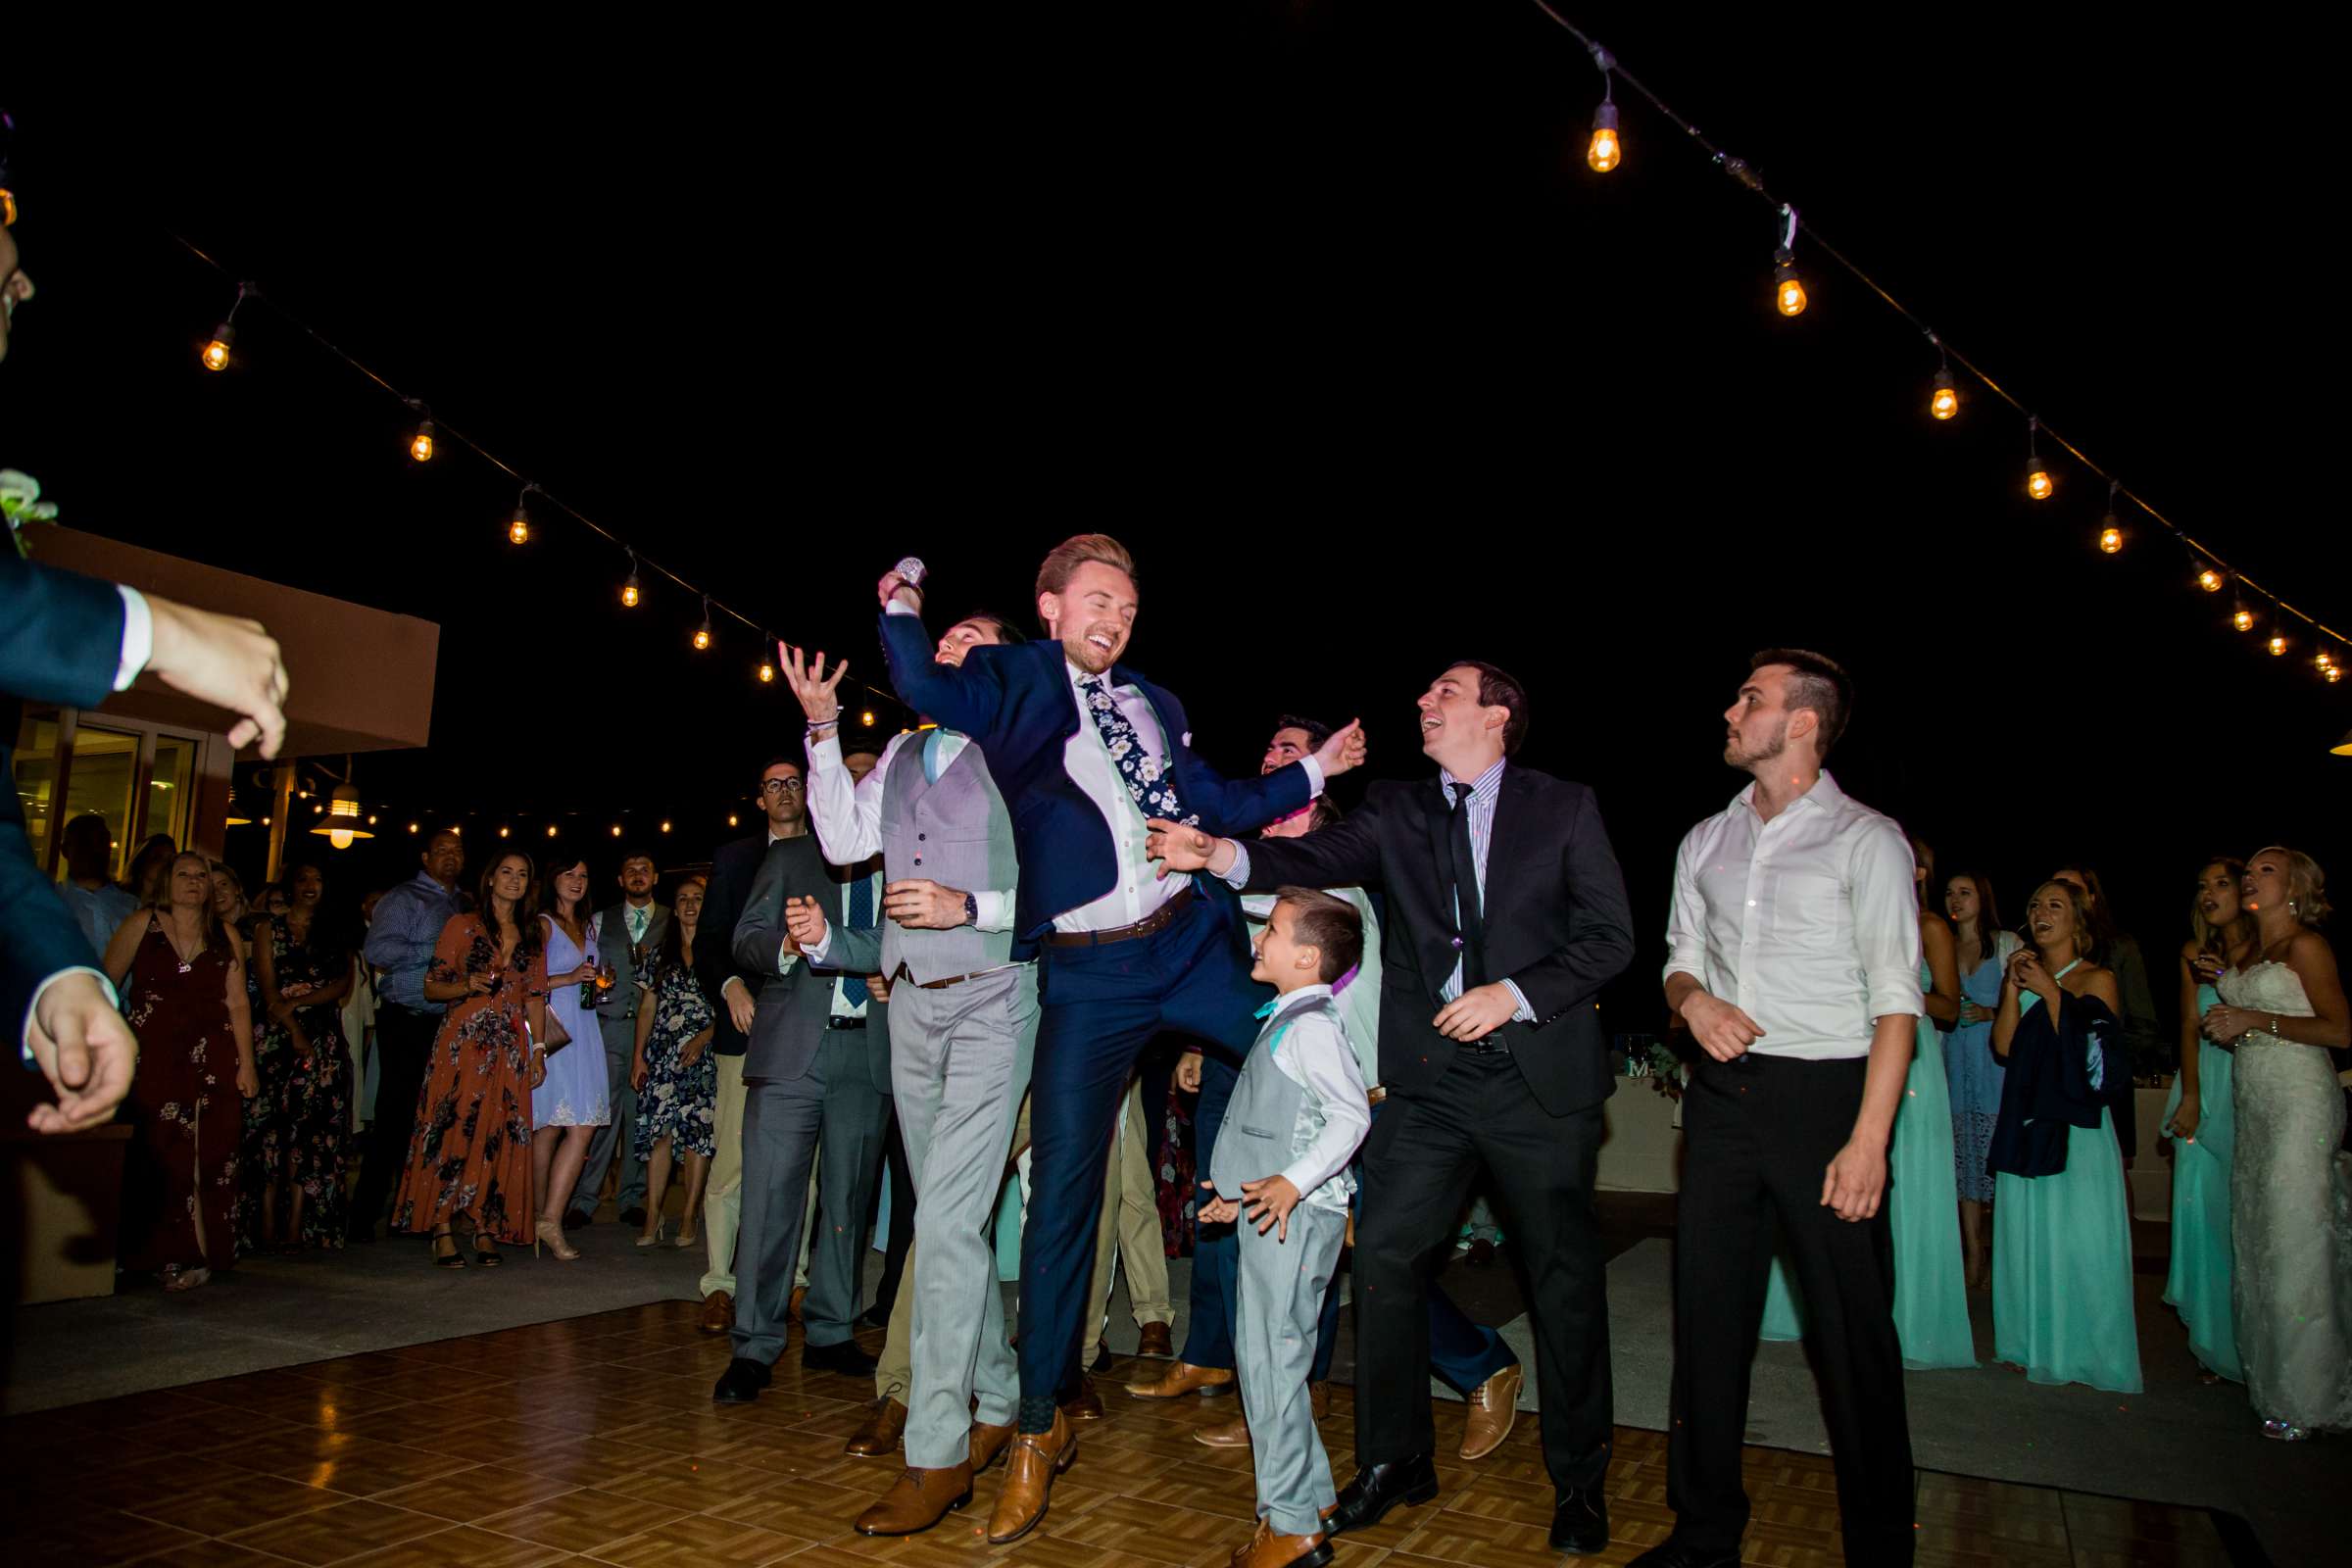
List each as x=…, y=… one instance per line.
x=593, y=1441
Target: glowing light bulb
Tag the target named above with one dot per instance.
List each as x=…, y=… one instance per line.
x=629, y=593
x=1947, y=399
x=666, y=827
x=518, y=527
x=730, y=819
x=2037, y=479
x=2331, y=674
x=340, y=837
x=215, y=353
x=502, y=832
x=551, y=830
x=767, y=672
x=2243, y=620
x=702, y=636
x=867, y=719
x=2111, y=539
x=1787, y=293
x=1605, y=152
x=617, y=830
x=420, y=445
x=411, y=827
x=2278, y=646
x=2210, y=581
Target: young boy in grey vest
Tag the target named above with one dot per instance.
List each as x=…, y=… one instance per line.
x=1280, y=1168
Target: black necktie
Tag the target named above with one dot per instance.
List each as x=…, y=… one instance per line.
x=1469, y=914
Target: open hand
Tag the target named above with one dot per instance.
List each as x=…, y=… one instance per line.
x=1855, y=1181
x=1344, y=750
x=805, y=923
x=85, y=1050
x=1270, y=1201
x=1176, y=847
x=818, y=693
x=1722, y=1030
x=226, y=660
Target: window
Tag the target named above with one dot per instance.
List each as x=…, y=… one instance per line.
x=106, y=766
x=171, y=788
x=36, y=780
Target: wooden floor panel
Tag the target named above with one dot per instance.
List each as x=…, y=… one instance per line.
x=594, y=1442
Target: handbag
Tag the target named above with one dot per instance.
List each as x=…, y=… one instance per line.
x=557, y=1037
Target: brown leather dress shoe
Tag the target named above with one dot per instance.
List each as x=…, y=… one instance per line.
x=792, y=1307
x=1232, y=1434
x=1155, y=1341
x=879, y=1437
x=1086, y=1404
x=986, y=1442
x=1266, y=1550
x=718, y=1313
x=1318, y=1400
x=1037, y=1458
x=1493, y=1407
x=918, y=1500
x=1185, y=1378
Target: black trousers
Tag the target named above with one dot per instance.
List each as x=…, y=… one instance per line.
x=1758, y=1134
x=404, y=1043
x=1420, y=1160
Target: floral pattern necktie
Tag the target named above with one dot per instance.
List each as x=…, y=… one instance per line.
x=1148, y=785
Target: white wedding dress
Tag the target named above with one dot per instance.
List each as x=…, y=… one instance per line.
x=2291, y=1213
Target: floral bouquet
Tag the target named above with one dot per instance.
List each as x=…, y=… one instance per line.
x=20, y=501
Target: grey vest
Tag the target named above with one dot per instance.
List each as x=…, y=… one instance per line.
x=1261, y=1134
x=956, y=833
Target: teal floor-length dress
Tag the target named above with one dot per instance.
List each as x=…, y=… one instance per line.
x=2198, y=1283
x=1922, y=1217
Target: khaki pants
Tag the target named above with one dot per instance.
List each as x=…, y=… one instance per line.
x=1130, y=1226
x=723, y=1193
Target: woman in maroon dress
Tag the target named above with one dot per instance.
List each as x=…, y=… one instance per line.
x=185, y=996
x=472, y=1154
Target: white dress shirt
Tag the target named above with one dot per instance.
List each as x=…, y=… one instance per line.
x=1315, y=1053
x=847, y=813
x=1808, y=923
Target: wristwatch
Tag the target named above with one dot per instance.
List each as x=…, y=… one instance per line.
x=971, y=908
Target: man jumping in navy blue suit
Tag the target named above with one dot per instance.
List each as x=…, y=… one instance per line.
x=1085, y=751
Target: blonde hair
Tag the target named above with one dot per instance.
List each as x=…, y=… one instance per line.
x=2305, y=883
x=1062, y=561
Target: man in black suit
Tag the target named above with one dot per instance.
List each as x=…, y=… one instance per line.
x=1506, y=915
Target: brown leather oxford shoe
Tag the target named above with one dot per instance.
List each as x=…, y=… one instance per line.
x=1493, y=1407
x=1086, y=1404
x=718, y=1313
x=1182, y=1379
x=1037, y=1458
x=1266, y=1550
x=918, y=1500
x=1155, y=1341
x=885, y=1425
x=985, y=1444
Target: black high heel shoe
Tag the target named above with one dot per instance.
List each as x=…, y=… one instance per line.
x=451, y=1258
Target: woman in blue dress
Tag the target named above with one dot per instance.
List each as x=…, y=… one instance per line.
x=574, y=1098
x=2061, y=1252
x=1931, y=1292
x=2200, y=1118
x=1981, y=951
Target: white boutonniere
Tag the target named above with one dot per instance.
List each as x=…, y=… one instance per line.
x=20, y=500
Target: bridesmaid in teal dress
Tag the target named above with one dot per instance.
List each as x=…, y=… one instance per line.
x=2200, y=1118
x=1922, y=1213
x=2061, y=1239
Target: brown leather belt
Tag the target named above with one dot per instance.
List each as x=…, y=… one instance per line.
x=1375, y=1094
x=904, y=976
x=1158, y=919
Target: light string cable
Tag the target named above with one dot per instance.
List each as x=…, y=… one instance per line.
x=441, y=430
x=1740, y=170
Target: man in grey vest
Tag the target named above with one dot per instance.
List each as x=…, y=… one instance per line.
x=808, y=1094
x=964, y=1027
x=625, y=934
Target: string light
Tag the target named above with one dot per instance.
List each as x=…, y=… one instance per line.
x=617, y=830
x=702, y=635
x=767, y=672
x=2038, y=483
x=411, y=827
x=225, y=336
x=2278, y=646
x=1605, y=152
x=1943, y=398
x=730, y=819
x=502, y=832
x=518, y=527
x=1788, y=294
x=2243, y=617
x=420, y=445
x=2111, y=537
x=628, y=589
x=2332, y=674
x=666, y=827
x=2210, y=581
x=551, y=830
x=867, y=719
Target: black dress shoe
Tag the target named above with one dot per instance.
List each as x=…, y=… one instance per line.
x=1102, y=1360
x=741, y=1382
x=1377, y=1487
x=634, y=1216
x=579, y=1219
x=1579, y=1523
x=1668, y=1554
x=845, y=1358
x=877, y=1316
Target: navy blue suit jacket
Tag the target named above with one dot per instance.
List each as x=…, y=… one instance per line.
x=1015, y=705
x=60, y=641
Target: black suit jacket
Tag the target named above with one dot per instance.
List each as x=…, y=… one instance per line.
x=1556, y=923
x=732, y=870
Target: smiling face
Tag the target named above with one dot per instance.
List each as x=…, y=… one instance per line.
x=961, y=638
x=512, y=878
x=2218, y=894
x=2051, y=918
x=689, y=905
x=1960, y=900
x=571, y=885
x=310, y=886
x=1457, y=731
x=1092, y=615
x=1281, y=962
x=228, y=899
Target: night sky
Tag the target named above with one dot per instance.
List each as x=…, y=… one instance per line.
x=1317, y=307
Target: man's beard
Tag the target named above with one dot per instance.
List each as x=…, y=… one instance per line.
x=1770, y=750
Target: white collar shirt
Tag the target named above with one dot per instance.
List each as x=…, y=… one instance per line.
x=1139, y=890
x=1808, y=923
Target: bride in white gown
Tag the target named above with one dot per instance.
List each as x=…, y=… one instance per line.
x=2290, y=1181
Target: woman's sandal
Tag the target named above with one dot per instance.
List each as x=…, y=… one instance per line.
x=451, y=1258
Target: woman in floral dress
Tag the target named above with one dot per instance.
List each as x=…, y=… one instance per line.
x=472, y=1154
x=263, y=1156
x=304, y=961
x=185, y=997
x=675, y=1076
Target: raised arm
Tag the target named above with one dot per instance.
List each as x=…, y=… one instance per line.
x=966, y=697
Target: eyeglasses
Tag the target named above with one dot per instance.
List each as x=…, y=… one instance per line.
x=781, y=786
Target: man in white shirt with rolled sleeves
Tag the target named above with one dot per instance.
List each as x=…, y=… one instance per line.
x=1794, y=958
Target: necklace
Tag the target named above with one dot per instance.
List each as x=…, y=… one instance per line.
x=186, y=956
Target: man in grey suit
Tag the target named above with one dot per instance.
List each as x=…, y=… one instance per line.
x=625, y=933
x=964, y=1032
x=808, y=1093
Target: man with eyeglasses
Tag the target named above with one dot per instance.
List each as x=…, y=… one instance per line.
x=735, y=993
